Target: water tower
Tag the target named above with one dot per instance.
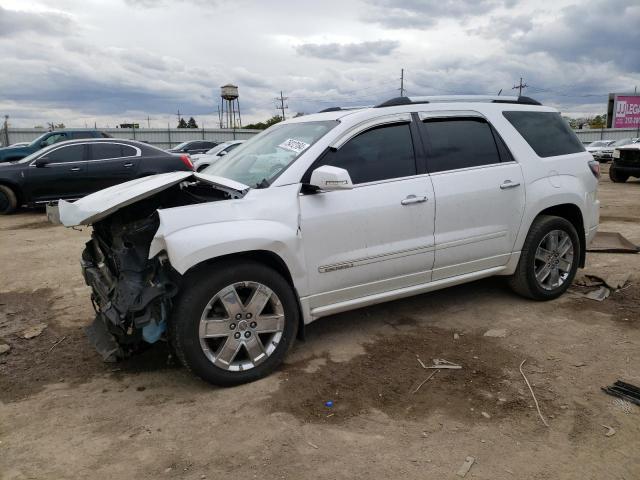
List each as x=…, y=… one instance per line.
x=230, y=107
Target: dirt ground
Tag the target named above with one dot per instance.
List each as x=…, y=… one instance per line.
x=65, y=414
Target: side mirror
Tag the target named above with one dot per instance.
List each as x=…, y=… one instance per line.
x=329, y=178
x=42, y=162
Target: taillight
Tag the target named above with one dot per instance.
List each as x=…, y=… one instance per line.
x=594, y=165
x=187, y=161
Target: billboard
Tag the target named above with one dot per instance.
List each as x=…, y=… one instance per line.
x=626, y=111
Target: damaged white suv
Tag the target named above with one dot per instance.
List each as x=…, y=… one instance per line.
x=330, y=212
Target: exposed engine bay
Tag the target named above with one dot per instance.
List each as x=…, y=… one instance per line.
x=132, y=294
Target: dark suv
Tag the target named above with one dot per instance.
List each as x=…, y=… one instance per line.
x=9, y=154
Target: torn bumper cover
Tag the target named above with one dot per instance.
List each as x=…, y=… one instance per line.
x=130, y=293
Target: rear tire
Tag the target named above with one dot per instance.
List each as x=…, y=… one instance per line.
x=616, y=176
x=8, y=200
x=242, y=344
x=546, y=271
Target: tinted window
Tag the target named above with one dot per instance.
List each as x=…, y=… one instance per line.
x=377, y=154
x=105, y=150
x=55, y=138
x=231, y=147
x=460, y=143
x=71, y=153
x=546, y=132
x=82, y=135
x=128, y=151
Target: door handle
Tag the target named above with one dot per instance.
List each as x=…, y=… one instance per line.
x=75, y=169
x=410, y=199
x=509, y=184
x=128, y=165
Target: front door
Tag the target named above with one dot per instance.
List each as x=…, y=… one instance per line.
x=63, y=176
x=480, y=195
x=379, y=235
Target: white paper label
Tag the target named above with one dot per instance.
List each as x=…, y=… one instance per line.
x=294, y=145
x=616, y=153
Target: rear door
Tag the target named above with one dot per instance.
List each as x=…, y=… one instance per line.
x=379, y=235
x=64, y=176
x=479, y=193
x=111, y=163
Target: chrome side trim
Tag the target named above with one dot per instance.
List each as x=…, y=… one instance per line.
x=475, y=239
x=374, y=259
x=365, y=301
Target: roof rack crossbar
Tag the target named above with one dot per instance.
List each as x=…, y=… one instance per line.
x=341, y=109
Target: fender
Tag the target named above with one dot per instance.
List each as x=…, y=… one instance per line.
x=191, y=246
x=549, y=192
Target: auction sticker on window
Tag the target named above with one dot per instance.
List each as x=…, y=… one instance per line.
x=294, y=145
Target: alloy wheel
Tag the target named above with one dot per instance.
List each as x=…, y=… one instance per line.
x=553, y=260
x=241, y=326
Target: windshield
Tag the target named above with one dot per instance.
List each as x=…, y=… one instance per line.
x=262, y=158
x=180, y=145
x=39, y=139
x=624, y=141
x=599, y=143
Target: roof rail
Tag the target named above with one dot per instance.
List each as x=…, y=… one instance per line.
x=340, y=109
x=458, y=98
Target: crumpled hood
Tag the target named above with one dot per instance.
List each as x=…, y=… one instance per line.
x=103, y=203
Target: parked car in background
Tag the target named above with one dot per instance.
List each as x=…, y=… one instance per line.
x=596, y=148
x=13, y=152
x=606, y=153
x=203, y=160
x=334, y=211
x=626, y=162
x=193, y=146
x=75, y=168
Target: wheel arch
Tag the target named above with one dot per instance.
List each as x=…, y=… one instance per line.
x=269, y=259
x=572, y=213
x=16, y=189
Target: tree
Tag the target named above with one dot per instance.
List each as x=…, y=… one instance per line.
x=264, y=125
x=182, y=123
x=597, y=122
x=192, y=123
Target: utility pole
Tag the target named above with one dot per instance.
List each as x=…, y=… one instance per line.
x=148, y=122
x=520, y=86
x=219, y=117
x=179, y=116
x=402, y=82
x=282, y=106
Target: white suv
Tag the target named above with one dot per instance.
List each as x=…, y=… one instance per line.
x=330, y=212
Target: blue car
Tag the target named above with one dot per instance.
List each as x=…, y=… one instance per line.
x=9, y=154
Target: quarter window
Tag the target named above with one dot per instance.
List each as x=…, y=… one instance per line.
x=128, y=151
x=460, y=143
x=378, y=154
x=71, y=153
x=546, y=132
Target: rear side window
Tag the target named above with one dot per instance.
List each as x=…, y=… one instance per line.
x=128, y=151
x=546, y=132
x=377, y=154
x=460, y=143
x=101, y=151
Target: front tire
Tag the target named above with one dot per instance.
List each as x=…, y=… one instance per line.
x=549, y=259
x=234, y=322
x=616, y=176
x=8, y=200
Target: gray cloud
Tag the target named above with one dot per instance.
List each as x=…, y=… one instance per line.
x=602, y=31
x=14, y=22
x=349, y=52
x=399, y=14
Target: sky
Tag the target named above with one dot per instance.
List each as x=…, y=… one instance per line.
x=107, y=62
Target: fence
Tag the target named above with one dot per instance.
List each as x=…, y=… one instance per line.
x=167, y=138
x=591, y=135
x=160, y=137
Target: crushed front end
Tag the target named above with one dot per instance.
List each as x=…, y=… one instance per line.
x=131, y=294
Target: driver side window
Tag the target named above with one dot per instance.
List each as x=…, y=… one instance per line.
x=381, y=153
x=71, y=153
